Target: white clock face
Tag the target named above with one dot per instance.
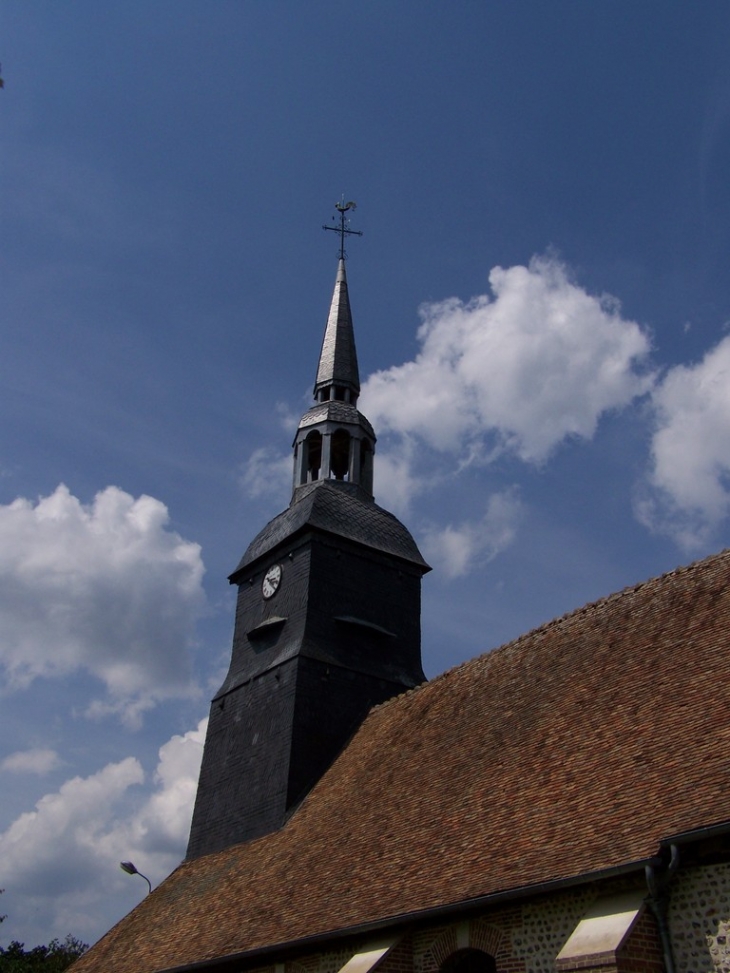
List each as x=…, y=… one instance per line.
x=271, y=582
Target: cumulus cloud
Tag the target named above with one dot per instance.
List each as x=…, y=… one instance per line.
x=689, y=490
x=61, y=860
x=288, y=417
x=162, y=825
x=539, y=362
x=64, y=827
x=457, y=549
x=107, y=588
x=395, y=485
x=37, y=761
x=267, y=473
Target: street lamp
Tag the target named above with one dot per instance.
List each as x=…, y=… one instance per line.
x=132, y=869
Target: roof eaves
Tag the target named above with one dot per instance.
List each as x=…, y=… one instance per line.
x=246, y=568
x=253, y=957
x=312, y=527
x=718, y=830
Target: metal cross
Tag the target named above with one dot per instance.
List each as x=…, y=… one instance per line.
x=344, y=228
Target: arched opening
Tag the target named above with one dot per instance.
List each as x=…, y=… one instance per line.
x=312, y=457
x=469, y=961
x=340, y=454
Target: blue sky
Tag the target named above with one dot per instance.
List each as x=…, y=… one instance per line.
x=541, y=304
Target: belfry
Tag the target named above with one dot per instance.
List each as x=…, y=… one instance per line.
x=327, y=619
x=334, y=439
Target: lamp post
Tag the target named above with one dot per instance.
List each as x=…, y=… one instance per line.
x=132, y=869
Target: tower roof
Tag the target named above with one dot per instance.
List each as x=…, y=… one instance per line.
x=336, y=509
x=338, y=358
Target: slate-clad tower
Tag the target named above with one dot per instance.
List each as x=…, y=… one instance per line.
x=327, y=620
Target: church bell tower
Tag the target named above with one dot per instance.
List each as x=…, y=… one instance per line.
x=327, y=619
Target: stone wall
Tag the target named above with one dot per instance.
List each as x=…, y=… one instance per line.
x=699, y=919
x=526, y=938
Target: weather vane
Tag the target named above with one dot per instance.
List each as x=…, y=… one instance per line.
x=344, y=228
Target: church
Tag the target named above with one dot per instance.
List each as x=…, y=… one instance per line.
x=561, y=803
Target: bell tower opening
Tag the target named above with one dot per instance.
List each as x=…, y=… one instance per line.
x=312, y=456
x=340, y=454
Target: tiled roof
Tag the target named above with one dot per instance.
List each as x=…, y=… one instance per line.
x=335, y=507
x=575, y=748
x=335, y=411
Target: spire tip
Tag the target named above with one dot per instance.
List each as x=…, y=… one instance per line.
x=344, y=228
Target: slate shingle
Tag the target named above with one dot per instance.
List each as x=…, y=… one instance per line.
x=335, y=507
x=338, y=357
x=334, y=411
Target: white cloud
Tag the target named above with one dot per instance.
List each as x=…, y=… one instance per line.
x=163, y=824
x=395, y=485
x=35, y=761
x=107, y=588
x=288, y=418
x=55, y=847
x=61, y=860
x=689, y=492
x=267, y=473
x=538, y=363
x=457, y=549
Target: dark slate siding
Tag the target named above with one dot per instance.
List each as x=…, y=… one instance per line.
x=251, y=657
x=243, y=778
x=331, y=703
x=352, y=582
x=347, y=636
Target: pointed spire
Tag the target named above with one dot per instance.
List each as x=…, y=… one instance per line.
x=337, y=370
x=334, y=440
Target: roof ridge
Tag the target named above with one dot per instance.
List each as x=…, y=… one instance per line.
x=631, y=589
x=411, y=691
x=574, y=613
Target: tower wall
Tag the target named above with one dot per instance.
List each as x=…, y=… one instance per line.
x=331, y=703
x=244, y=775
x=348, y=581
x=255, y=648
x=348, y=638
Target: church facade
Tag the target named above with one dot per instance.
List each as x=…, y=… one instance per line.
x=561, y=803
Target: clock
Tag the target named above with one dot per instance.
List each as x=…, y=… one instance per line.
x=271, y=582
